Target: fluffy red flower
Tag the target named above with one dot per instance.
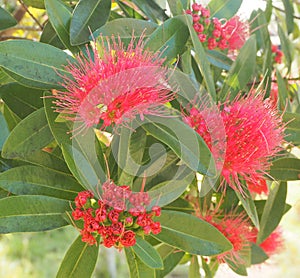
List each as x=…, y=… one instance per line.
x=253, y=134
x=112, y=85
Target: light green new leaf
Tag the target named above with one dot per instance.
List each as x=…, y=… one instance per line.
x=33, y=64
x=31, y=213
x=79, y=261
x=87, y=17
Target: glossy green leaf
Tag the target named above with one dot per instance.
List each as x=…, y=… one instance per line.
x=219, y=59
x=273, y=210
x=249, y=206
x=285, y=169
x=180, y=205
x=169, y=38
x=87, y=17
x=31, y=213
x=241, y=70
x=171, y=257
x=34, y=180
x=49, y=36
x=4, y=78
x=137, y=268
x=79, y=261
x=125, y=27
x=10, y=117
x=177, y=6
x=30, y=135
x=6, y=19
x=201, y=59
x=292, y=129
x=191, y=234
x=128, y=11
x=60, y=18
x=183, y=140
x=33, y=64
x=4, y=130
x=289, y=15
x=21, y=100
x=285, y=46
x=224, y=9
x=147, y=253
x=258, y=255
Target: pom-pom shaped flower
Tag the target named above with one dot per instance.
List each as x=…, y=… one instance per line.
x=112, y=85
x=236, y=228
x=253, y=135
x=109, y=219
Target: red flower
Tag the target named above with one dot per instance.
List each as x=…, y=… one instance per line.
x=114, y=85
x=128, y=239
x=258, y=186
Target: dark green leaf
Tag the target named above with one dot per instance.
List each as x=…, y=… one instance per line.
x=30, y=135
x=180, y=205
x=273, y=210
x=60, y=18
x=128, y=11
x=87, y=17
x=169, y=38
x=241, y=70
x=137, y=268
x=289, y=15
x=6, y=19
x=147, y=253
x=79, y=261
x=201, y=59
x=31, y=213
x=34, y=180
x=151, y=10
x=285, y=46
x=224, y=9
x=191, y=234
x=183, y=140
x=258, y=255
x=10, y=117
x=259, y=27
x=49, y=36
x=21, y=100
x=125, y=27
x=282, y=92
x=177, y=6
x=285, y=169
x=33, y=64
x=219, y=59
x=4, y=130
x=292, y=130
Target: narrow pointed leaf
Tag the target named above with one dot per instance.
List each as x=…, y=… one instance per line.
x=289, y=15
x=4, y=130
x=285, y=46
x=79, y=261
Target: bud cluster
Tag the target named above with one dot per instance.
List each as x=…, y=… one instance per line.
x=277, y=54
x=110, y=219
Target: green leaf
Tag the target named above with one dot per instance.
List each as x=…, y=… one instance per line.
x=183, y=140
x=31, y=213
x=241, y=70
x=33, y=64
x=11, y=118
x=194, y=268
x=4, y=130
x=125, y=27
x=21, y=100
x=171, y=257
x=128, y=11
x=282, y=93
x=201, y=59
x=292, y=129
x=147, y=253
x=224, y=9
x=6, y=19
x=285, y=169
x=87, y=17
x=285, y=46
x=191, y=234
x=60, y=18
x=259, y=27
x=34, y=180
x=289, y=15
x=169, y=38
x=219, y=59
x=49, y=36
x=30, y=135
x=249, y=206
x=137, y=268
x=258, y=255
x=180, y=205
x=79, y=261
x=176, y=7
x=273, y=210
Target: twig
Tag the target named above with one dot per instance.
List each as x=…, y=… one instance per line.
x=3, y=38
x=32, y=16
x=281, y=10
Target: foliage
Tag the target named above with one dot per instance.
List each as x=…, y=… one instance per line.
x=172, y=188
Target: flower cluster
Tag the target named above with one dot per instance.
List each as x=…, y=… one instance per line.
x=109, y=219
x=113, y=85
x=230, y=34
x=277, y=54
x=253, y=134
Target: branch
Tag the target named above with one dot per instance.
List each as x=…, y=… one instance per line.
x=32, y=16
x=283, y=11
